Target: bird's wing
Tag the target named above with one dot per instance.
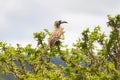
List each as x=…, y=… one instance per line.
x=55, y=36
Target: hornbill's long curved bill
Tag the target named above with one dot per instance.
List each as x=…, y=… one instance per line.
x=64, y=22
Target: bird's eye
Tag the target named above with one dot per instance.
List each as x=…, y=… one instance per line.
x=60, y=21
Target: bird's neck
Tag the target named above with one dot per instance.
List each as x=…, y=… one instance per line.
x=57, y=27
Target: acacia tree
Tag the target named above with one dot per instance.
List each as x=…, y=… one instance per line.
x=95, y=56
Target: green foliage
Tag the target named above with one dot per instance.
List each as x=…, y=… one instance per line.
x=95, y=56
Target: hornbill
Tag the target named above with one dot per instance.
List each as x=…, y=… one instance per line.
x=55, y=35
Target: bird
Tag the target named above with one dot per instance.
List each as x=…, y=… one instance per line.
x=55, y=35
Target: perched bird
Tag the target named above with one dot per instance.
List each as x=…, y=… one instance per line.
x=55, y=35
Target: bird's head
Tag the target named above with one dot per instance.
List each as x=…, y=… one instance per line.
x=58, y=23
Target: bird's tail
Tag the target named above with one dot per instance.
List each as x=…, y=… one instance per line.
x=46, y=49
x=44, y=52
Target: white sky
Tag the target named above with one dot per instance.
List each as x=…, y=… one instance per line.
x=19, y=19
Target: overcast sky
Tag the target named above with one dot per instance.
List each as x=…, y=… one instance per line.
x=19, y=19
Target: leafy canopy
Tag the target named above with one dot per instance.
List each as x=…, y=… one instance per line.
x=95, y=56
